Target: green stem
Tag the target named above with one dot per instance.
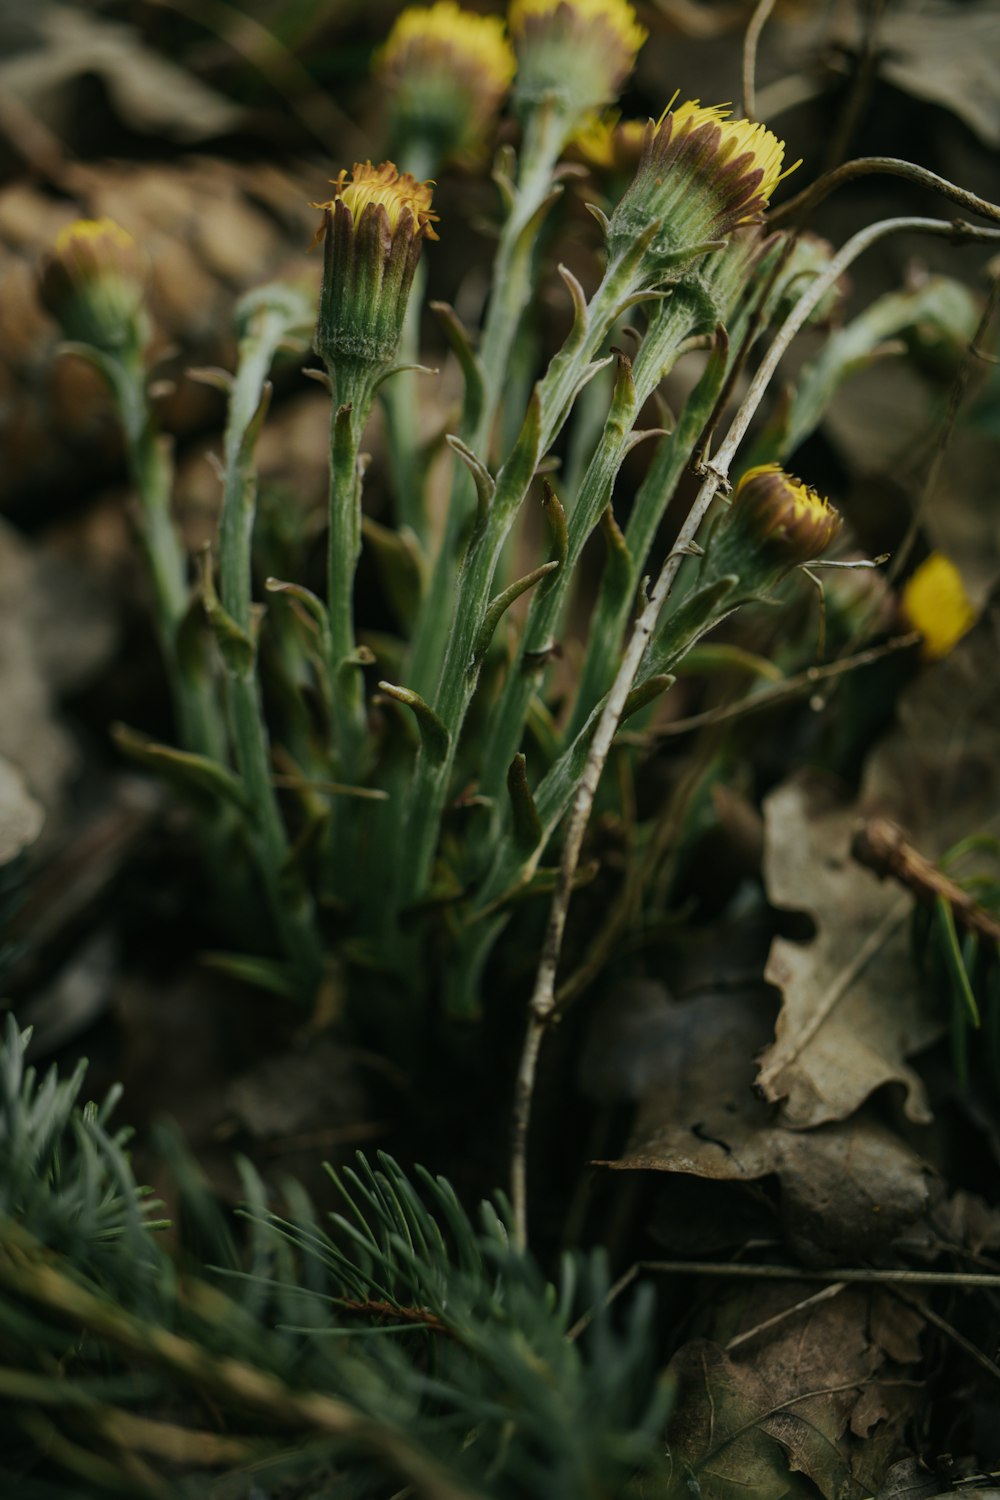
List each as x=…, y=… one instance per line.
x=544, y=135
x=399, y=395
x=351, y=406
x=669, y=327
x=510, y=294
x=291, y=910
x=614, y=604
x=151, y=475
x=195, y=703
x=553, y=397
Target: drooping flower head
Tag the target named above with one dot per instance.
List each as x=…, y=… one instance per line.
x=373, y=229
x=701, y=175
x=576, y=53
x=936, y=604
x=774, y=523
x=446, y=72
x=93, y=282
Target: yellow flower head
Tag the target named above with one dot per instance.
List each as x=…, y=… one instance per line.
x=373, y=230
x=455, y=37
x=616, y=15
x=93, y=238
x=398, y=193
x=93, y=281
x=936, y=604
x=446, y=71
x=576, y=53
x=743, y=144
x=700, y=176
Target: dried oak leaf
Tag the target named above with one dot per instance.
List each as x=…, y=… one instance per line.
x=849, y=1191
x=815, y=1394
x=853, y=1010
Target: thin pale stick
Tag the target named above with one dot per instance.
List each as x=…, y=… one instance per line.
x=959, y=1338
x=585, y=1319
x=825, y=1295
x=769, y=697
x=884, y=849
x=875, y=1276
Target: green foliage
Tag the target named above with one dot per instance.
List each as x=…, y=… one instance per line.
x=401, y=1342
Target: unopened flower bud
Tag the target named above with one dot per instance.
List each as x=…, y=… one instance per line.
x=774, y=523
x=372, y=230
x=93, y=282
x=574, y=53
x=446, y=72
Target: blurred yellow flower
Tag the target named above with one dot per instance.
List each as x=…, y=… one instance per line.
x=609, y=143
x=94, y=281
x=936, y=604
x=446, y=72
x=577, y=53
x=617, y=15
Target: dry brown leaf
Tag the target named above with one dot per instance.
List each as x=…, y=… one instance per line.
x=814, y=1394
x=30, y=735
x=853, y=1009
x=946, y=57
x=848, y=1190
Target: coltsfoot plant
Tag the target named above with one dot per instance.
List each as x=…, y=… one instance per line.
x=408, y=799
x=399, y=818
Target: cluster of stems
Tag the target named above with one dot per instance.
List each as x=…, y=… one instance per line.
x=349, y=865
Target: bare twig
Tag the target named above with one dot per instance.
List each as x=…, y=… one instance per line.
x=787, y=1312
x=779, y=692
x=543, y=1005
x=585, y=1319
x=756, y=25
x=971, y=1349
x=874, y=1276
x=882, y=847
x=890, y=166
x=863, y=73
